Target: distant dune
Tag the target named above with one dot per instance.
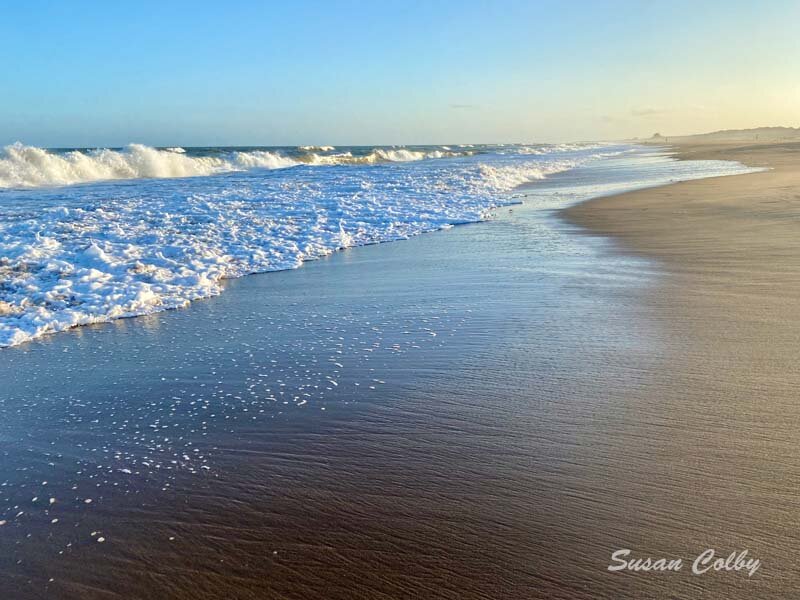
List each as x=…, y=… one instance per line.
x=759, y=134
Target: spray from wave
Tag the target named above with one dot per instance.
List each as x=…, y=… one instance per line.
x=376, y=156
x=74, y=256
x=317, y=148
x=24, y=166
x=29, y=166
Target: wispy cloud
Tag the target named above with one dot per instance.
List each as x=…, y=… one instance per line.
x=463, y=106
x=649, y=111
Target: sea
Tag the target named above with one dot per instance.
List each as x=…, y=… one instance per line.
x=92, y=235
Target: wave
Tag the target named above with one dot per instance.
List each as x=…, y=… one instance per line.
x=377, y=156
x=91, y=255
x=543, y=149
x=28, y=166
x=91, y=258
x=24, y=166
x=316, y=148
x=76, y=256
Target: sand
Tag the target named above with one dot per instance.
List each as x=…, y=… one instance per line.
x=718, y=427
x=627, y=386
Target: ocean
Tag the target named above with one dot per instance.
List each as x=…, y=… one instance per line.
x=89, y=236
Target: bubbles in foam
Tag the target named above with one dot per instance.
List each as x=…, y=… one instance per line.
x=28, y=166
x=75, y=256
x=377, y=156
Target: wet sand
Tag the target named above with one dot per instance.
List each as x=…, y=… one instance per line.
x=578, y=396
x=712, y=447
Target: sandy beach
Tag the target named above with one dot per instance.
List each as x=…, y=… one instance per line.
x=715, y=453
x=400, y=301
x=485, y=412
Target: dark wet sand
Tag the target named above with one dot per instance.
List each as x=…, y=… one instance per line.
x=565, y=409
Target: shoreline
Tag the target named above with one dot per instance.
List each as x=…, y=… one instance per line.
x=721, y=409
x=376, y=424
x=373, y=424
x=621, y=216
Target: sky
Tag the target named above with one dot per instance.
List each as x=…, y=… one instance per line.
x=339, y=72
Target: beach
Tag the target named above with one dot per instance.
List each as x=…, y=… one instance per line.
x=488, y=411
x=400, y=301
x=712, y=455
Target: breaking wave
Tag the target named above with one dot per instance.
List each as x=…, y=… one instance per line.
x=74, y=256
x=24, y=166
x=378, y=155
x=29, y=166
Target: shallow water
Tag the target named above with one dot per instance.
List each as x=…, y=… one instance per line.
x=429, y=418
x=82, y=254
x=165, y=228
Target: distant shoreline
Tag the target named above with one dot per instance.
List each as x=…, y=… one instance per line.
x=779, y=158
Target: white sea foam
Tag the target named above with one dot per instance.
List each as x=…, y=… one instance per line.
x=28, y=166
x=544, y=149
x=378, y=155
x=74, y=256
x=77, y=255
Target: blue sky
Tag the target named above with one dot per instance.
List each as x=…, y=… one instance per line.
x=209, y=73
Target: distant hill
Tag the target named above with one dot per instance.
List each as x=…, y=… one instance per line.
x=759, y=134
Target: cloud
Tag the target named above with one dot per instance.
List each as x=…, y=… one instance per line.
x=649, y=111
x=463, y=106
